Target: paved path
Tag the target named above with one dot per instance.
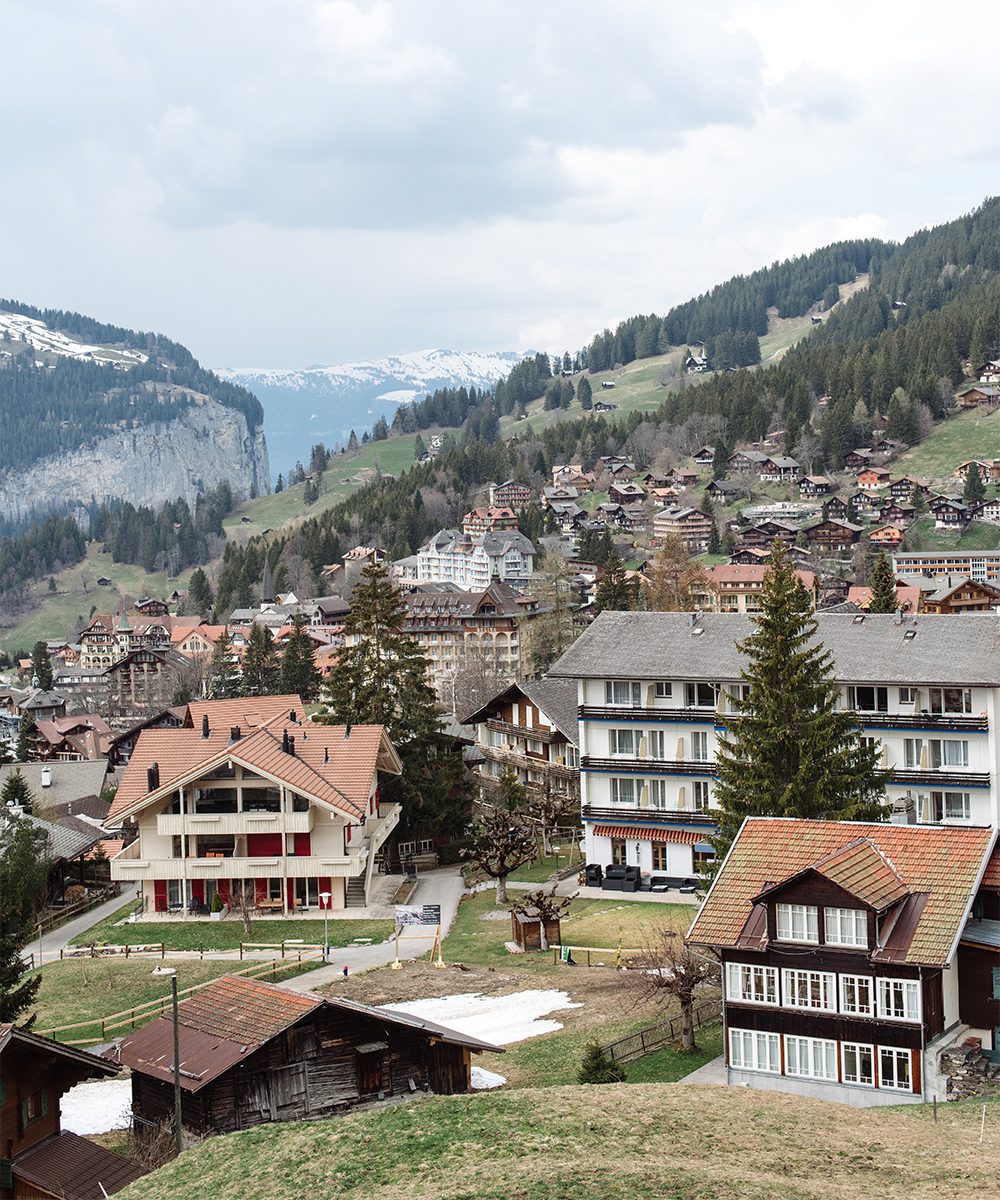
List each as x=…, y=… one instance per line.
x=711, y=1072
x=444, y=886
x=60, y=938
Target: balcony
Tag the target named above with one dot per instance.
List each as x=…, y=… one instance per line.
x=512, y=758
x=942, y=722
x=943, y=777
x=650, y=766
x=649, y=816
x=173, y=824
x=521, y=731
x=698, y=716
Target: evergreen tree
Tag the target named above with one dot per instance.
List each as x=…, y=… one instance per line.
x=41, y=665
x=23, y=875
x=790, y=752
x=585, y=394
x=598, y=1067
x=613, y=591
x=200, y=592
x=25, y=750
x=883, y=585
x=279, y=484
x=918, y=500
x=299, y=675
x=419, y=448
x=16, y=791
x=224, y=681
x=975, y=492
x=260, y=664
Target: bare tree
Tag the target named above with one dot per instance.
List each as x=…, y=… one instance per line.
x=503, y=838
x=243, y=902
x=550, y=809
x=675, y=580
x=667, y=970
x=542, y=906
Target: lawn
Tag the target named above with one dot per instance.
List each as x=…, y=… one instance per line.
x=89, y=989
x=543, y=867
x=616, y=1142
x=979, y=536
x=227, y=935
x=952, y=441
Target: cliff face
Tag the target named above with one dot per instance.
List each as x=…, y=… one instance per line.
x=207, y=444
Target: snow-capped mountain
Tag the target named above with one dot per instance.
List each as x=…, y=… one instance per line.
x=323, y=404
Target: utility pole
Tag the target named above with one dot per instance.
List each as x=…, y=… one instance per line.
x=177, y=1065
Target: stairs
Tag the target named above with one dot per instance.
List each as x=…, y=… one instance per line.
x=356, y=892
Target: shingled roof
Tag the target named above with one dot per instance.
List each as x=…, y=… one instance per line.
x=940, y=868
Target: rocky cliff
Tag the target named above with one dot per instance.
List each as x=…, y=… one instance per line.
x=206, y=444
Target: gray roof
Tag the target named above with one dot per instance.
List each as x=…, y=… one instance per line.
x=644, y=645
x=71, y=781
x=68, y=838
x=556, y=698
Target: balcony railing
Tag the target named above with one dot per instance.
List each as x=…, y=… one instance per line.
x=925, y=720
x=650, y=766
x=528, y=763
x=650, y=816
x=593, y=712
x=521, y=731
x=292, y=867
x=944, y=777
x=173, y=824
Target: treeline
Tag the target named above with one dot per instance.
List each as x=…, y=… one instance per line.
x=56, y=543
x=446, y=407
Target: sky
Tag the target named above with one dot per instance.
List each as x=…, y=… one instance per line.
x=280, y=183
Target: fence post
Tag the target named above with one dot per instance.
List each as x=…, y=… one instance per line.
x=127, y=947
x=163, y=950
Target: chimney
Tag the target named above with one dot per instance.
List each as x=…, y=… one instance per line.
x=204, y=726
x=284, y=741
x=46, y=777
x=291, y=716
x=291, y=746
x=152, y=777
x=235, y=733
x=347, y=732
x=899, y=616
x=326, y=754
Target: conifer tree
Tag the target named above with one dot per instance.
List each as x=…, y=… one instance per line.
x=260, y=665
x=975, y=492
x=23, y=873
x=224, y=682
x=613, y=591
x=790, y=752
x=200, y=592
x=299, y=674
x=41, y=665
x=25, y=749
x=598, y=1067
x=15, y=791
x=883, y=585
x=585, y=394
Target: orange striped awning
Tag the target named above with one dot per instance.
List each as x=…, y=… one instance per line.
x=685, y=837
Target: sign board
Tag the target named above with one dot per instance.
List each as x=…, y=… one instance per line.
x=417, y=914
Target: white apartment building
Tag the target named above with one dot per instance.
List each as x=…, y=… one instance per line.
x=655, y=690
x=474, y=561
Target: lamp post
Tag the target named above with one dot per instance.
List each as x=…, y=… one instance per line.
x=324, y=899
x=177, y=1054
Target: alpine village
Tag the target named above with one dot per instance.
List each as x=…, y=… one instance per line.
x=583, y=783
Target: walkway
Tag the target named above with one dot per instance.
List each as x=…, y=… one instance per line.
x=58, y=939
x=711, y=1072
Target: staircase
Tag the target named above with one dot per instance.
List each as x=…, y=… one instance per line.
x=356, y=892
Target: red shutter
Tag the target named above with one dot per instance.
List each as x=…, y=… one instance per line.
x=302, y=845
x=263, y=845
x=160, y=895
x=198, y=890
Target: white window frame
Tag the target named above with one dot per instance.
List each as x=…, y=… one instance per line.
x=617, y=738
x=630, y=687
x=701, y=794
x=656, y=745
x=856, y=982
x=699, y=745
x=856, y=1050
x=888, y=1010
x=751, y=1050
x=908, y=695
x=620, y=784
x=949, y=797
x=748, y=983
x=693, y=698
x=896, y=1057
x=945, y=754
x=800, y=923
x=810, y=1058
x=845, y=927
x=941, y=702
x=819, y=988
x=663, y=690
x=658, y=798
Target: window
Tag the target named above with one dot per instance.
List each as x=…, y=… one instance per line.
x=754, y=1051
x=894, y=1069
x=701, y=695
x=812, y=1058
x=943, y=806
x=809, y=989
x=798, y=922
x=857, y=995
x=534, y=747
x=913, y=754
x=618, y=852
x=949, y=752
x=659, y=856
x=274, y=889
x=699, y=746
x=663, y=690
x=572, y=756
x=845, y=926
x=307, y=892
x=658, y=794
x=908, y=695
x=623, y=791
x=858, y=1063
x=951, y=700
x=656, y=744
x=868, y=699
x=751, y=985
x=899, y=999
x=34, y=1107
x=175, y=893
x=623, y=741
x=701, y=795
x=622, y=692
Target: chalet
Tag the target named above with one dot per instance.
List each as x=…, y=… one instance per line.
x=704, y=456
x=906, y=486
x=483, y=520
x=748, y=556
x=989, y=469
x=603, y=406
x=849, y=959
x=607, y=384
x=990, y=511
x=841, y=507
x=570, y=475
x=752, y=461
x=40, y=704
x=724, y=491
x=907, y=597
x=978, y=396
x=779, y=469
x=835, y=535
x=150, y=606
x=949, y=512
x=887, y=535
x=626, y=493
x=873, y=478
x=273, y=806
x=736, y=588
x=83, y=738
x=857, y=460
x=510, y=495
x=989, y=372
x=691, y=525
x=696, y=364
x=140, y=681
x=561, y=493
x=898, y=513
x=960, y=594
x=765, y=532
x=620, y=470
x=654, y=479
x=254, y=1052
x=684, y=477
x=887, y=447
x=122, y=745
x=40, y=1158
x=624, y=516
x=815, y=485
x=568, y=515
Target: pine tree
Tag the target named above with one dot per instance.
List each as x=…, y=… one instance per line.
x=25, y=750
x=585, y=394
x=299, y=675
x=23, y=875
x=279, y=485
x=613, y=591
x=598, y=1067
x=41, y=665
x=790, y=752
x=200, y=592
x=224, y=682
x=883, y=585
x=260, y=665
x=975, y=492
x=16, y=791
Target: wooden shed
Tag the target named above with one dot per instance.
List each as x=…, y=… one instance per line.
x=254, y=1052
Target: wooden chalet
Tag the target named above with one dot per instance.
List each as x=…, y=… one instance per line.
x=870, y=479
x=253, y=1052
x=835, y=535
x=840, y=507
x=949, y=512
x=779, y=469
x=857, y=460
x=960, y=594
x=40, y=1159
x=704, y=456
x=887, y=446
x=766, y=532
x=749, y=556
x=906, y=486
x=850, y=963
x=899, y=513
x=989, y=469
x=815, y=485
x=626, y=493
x=978, y=396
x=886, y=535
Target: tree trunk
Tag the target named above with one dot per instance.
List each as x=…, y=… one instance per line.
x=501, y=889
x=546, y=840
x=687, y=1024
x=543, y=935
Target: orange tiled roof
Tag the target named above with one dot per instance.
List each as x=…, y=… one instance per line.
x=684, y=837
x=246, y=711
x=992, y=877
x=863, y=871
x=248, y=1011
x=942, y=862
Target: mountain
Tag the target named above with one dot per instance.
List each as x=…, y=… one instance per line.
x=323, y=404
x=94, y=412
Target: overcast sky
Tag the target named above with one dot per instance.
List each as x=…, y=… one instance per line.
x=279, y=183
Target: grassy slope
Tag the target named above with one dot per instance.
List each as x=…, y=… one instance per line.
x=614, y=1143
x=954, y=441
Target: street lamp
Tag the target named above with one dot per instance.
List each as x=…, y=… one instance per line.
x=177, y=1053
x=324, y=899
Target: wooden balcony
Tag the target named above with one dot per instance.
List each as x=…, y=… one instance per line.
x=696, y=716
x=174, y=824
x=528, y=762
x=523, y=731
x=649, y=816
x=933, y=722
x=704, y=769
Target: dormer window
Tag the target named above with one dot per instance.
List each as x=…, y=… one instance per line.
x=845, y=927
x=798, y=922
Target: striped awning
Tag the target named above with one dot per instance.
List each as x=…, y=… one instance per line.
x=645, y=833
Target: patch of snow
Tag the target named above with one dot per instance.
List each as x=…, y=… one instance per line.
x=483, y=1080
x=38, y=335
x=498, y=1019
x=97, y=1107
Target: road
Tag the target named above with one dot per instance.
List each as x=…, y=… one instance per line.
x=58, y=939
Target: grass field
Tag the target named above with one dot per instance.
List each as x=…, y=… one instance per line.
x=979, y=536
x=616, y=1142
x=953, y=441
x=227, y=935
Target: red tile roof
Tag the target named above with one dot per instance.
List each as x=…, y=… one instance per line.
x=991, y=879
x=942, y=862
x=246, y=711
x=683, y=837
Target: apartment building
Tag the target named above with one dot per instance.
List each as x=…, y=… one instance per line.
x=107, y=639
x=656, y=689
x=980, y=565
x=691, y=525
x=483, y=520
x=737, y=588
x=280, y=808
x=474, y=561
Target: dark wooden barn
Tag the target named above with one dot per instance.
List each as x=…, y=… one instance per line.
x=254, y=1052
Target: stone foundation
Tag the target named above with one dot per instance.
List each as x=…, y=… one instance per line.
x=970, y=1073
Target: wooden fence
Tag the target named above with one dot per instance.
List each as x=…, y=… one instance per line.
x=656, y=1037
